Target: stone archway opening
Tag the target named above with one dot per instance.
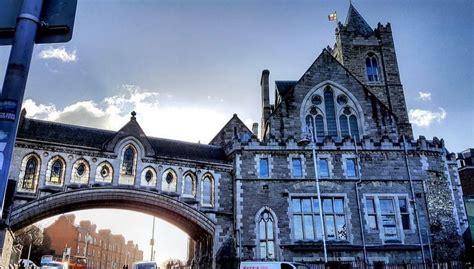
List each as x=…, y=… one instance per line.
x=196, y=224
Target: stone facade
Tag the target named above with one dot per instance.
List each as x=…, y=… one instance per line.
x=385, y=196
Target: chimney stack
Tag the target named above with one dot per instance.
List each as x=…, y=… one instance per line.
x=255, y=128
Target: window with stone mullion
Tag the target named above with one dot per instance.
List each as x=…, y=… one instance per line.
x=330, y=112
x=266, y=236
x=30, y=174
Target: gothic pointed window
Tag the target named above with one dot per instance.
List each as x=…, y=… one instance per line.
x=168, y=182
x=148, y=177
x=344, y=126
x=189, y=185
x=207, y=194
x=266, y=236
x=30, y=177
x=372, y=67
x=80, y=173
x=128, y=161
x=354, y=126
x=56, y=172
x=104, y=173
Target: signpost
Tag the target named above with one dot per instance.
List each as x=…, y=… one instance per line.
x=22, y=23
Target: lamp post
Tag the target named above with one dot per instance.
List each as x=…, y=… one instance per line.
x=304, y=142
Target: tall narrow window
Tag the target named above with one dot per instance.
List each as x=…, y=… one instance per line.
x=351, y=169
x=189, y=185
x=56, y=172
x=319, y=127
x=128, y=161
x=264, y=169
x=371, y=213
x=405, y=215
x=330, y=112
x=344, y=126
x=389, y=222
x=323, y=168
x=354, y=126
x=266, y=236
x=372, y=68
x=31, y=172
x=207, y=191
x=297, y=169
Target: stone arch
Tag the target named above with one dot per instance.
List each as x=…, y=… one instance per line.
x=195, y=223
x=192, y=175
x=168, y=179
x=212, y=193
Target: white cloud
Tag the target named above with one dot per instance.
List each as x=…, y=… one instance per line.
x=424, y=96
x=424, y=118
x=169, y=120
x=58, y=53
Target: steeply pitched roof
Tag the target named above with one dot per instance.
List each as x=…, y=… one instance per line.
x=95, y=139
x=227, y=132
x=356, y=23
x=284, y=86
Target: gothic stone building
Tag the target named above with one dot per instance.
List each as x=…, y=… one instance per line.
x=385, y=196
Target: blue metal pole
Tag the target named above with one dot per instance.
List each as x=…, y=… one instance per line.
x=14, y=84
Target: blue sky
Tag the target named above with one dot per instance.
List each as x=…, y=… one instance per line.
x=186, y=66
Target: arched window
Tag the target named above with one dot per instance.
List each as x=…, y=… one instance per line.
x=266, y=237
x=148, y=177
x=372, y=67
x=56, y=172
x=207, y=194
x=330, y=112
x=80, y=172
x=31, y=173
x=104, y=173
x=128, y=161
x=189, y=185
x=168, y=182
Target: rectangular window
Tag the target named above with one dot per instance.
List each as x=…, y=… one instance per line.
x=371, y=213
x=323, y=168
x=307, y=221
x=388, y=217
x=297, y=168
x=351, y=170
x=264, y=167
x=405, y=215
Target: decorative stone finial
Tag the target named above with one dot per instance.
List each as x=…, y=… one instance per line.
x=133, y=115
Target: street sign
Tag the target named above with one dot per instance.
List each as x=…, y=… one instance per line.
x=57, y=20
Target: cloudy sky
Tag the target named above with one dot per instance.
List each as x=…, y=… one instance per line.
x=186, y=66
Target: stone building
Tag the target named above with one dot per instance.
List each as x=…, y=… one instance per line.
x=102, y=249
x=385, y=196
x=466, y=174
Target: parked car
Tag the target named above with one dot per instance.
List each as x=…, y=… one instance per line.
x=271, y=265
x=54, y=265
x=145, y=265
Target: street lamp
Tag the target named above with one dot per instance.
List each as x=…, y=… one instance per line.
x=304, y=142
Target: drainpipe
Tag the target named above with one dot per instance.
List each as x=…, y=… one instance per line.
x=414, y=202
x=428, y=231
x=356, y=186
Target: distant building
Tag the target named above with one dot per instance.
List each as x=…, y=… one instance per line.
x=103, y=249
x=466, y=175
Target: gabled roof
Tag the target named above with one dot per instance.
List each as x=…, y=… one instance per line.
x=38, y=131
x=284, y=86
x=326, y=53
x=236, y=121
x=132, y=128
x=356, y=23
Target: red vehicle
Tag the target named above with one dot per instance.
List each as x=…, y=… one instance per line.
x=77, y=262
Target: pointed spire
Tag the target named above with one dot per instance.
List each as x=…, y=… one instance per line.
x=356, y=23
